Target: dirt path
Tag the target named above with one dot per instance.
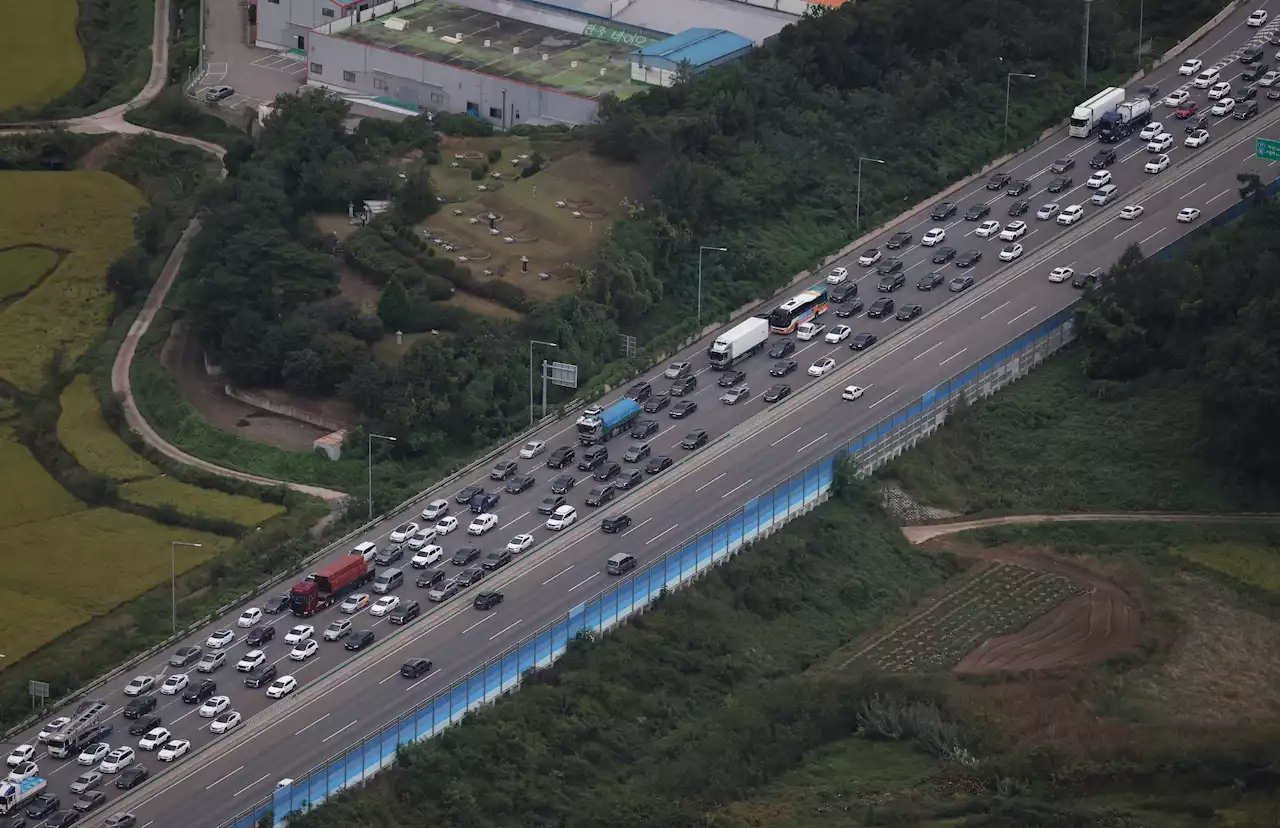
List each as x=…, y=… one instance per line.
x=920, y=534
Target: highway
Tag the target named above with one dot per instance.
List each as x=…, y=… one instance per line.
x=911, y=357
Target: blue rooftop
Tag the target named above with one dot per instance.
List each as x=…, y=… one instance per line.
x=698, y=46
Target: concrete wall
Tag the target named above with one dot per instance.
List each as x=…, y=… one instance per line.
x=282, y=22
x=346, y=66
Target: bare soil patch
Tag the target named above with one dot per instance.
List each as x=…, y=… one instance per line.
x=101, y=155
x=359, y=291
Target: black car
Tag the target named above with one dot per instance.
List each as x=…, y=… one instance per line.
x=185, y=656
x=1102, y=158
x=1254, y=72
x=485, y=502
x=259, y=676
x=880, y=308
x=942, y=255
x=657, y=403
x=960, y=283
x=520, y=483
x=682, y=386
x=62, y=819
x=89, y=800
x=862, y=341
x=550, y=503
x=139, y=706
x=657, y=464
x=843, y=293
x=1019, y=207
x=388, y=555
x=502, y=470
x=1253, y=54
x=1017, y=188
x=1062, y=165
x=469, y=492
x=897, y=240
x=782, y=348
x=276, y=604
x=608, y=471
x=977, y=212
x=889, y=267
x=1247, y=94
x=601, y=495
x=144, y=725
x=782, y=367
x=695, y=439
x=564, y=456
x=429, y=578
x=468, y=577
x=930, y=280
x=777, y=392
x=683, y=409
x=1149, y=92
x=943, y=211
x=849, y=309
x=643, y=428
x=487, y=600
x=1244, y=113
x=731, y=378
x=615, y=523
x=891, y=282
x=563, y=483
x=43, y=805
x=628, y=479
x=415, y=667
x=1084, y=279
x=908, y=312
x=464, y=556
x=1060, y=184
x=641, y=391
x=405, y=613
x=998, y=181
x=969, y=258
x=201, y=693
x=132, y=777
x=498, y=558
x=259, y=636
x=591, y=462
x=1197, y=123
x=357, y=641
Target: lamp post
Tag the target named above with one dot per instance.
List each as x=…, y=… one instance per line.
x=173, y=579
x=533, y=342
x=1141, y=15
x=700, y=249
x=1008, y=87
x=1084, y=57
x=857, y=221
x=380, y=437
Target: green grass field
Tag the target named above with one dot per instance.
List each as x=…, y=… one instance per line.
x=27, y=492
x=84, y=433
x=193, y=500
x=21, y=268
x=87, y=213
x=40, y=53
x=1249, y=563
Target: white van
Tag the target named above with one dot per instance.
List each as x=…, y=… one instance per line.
x=1105, y=195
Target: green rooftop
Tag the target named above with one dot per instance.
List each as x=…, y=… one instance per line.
x=445, y=33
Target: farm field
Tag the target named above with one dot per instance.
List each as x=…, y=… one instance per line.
x=193, y=500
x=22, y=268
x=27, y=492
x=93, y=444
x=40, y=54
x=88, y=214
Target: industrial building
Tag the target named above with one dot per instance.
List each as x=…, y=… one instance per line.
x=657, y=63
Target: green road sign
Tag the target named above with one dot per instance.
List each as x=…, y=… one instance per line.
x=1268, y=149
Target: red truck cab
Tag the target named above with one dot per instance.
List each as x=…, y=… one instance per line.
x=330, y=584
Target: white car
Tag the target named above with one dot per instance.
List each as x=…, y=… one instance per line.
x=220, y=639
x=24, y=770
x=52, y=728
x=935, y=236
x=20, y=754
x=1188, y=214
x=1158, y=164
x=528, y=451
x=1010, y=252
x=427, y=556
x=139, y=685
x=438, y=508
x=174, y=684
x=214, y=706
x=822, y=367
x=93, y=754
x=304, y=650
x=851, y=392
x=1098, y=179
x=870, y=257
x=808, y=330
x=562, y=518
x=1197, y=138
x=117, y=760
x=1176, y=99
x=403, y=532
x=384, y=605
x=299, y=633
x=1257, y=18
x=1151, y=130
x=249, y=617
x=1223, y=107
x=354, y=604
x=282, y=687
x=482, y=523
x=1061, y=274
x=1132, y=211
x=1206, y=79
x=987, y=229
x=1013, y=231
x=838, y=276
x=1219, y=90
x=174, y=750
x=1160, y=143
x=839, y=334
x=420, y=539
x=1190, y=67
x=1047, y=212
x=156, y=737
x=446, y=525
x=253, y=658
x=225, y=723
x=1071, y=215
x=520, y=543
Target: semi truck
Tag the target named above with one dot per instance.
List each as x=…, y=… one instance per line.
x=599, y=424
x=328, y=586
x=738, y=343
x=88, y=725
x=13, y=795
x=1086, y=117
x=1128, y=117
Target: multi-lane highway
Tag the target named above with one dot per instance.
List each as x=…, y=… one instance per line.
x=325, y=716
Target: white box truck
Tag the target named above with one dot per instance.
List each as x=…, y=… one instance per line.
x=1086, y=116
x=739, y=342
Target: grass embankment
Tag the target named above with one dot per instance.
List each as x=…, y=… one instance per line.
x=1056, y=442
x=22, y=268
x=41, y=58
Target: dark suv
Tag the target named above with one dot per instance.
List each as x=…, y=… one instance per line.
x=261, y=675
x=1103, y=158
x=484, y=502
x=561, y=457
x=683, y=386
x=139, y=706
x=202, y=692
x=891, y=282
x=641, y=391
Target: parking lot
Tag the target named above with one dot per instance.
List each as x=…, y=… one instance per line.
x=257, y=75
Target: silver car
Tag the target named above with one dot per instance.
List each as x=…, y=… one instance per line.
x=735, y=395
x=212, y=661
x=86, y=781
x=443, y=591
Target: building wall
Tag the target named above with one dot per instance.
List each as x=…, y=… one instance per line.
x=660, y=71
x=282, y=22
x=353, y=67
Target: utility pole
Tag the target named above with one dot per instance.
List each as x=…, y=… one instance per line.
x=1008, y=86
x=173, y=579
x=700, y=249
x=857, y=220
x=533, y=342
x=1084, y=59
x=370, y=453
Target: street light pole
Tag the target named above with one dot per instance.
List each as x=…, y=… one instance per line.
x=1008, y=87
x=857, y=221
x=380, y=437
x=700, y=249
x=533, y=342
x=1141, y=15
x=173, y=579
x=1084, y=60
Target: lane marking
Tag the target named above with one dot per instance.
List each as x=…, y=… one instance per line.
x=637, y=526
x=984, y=316
x=811, y=442
x=709, y=482
x=1218, y=196
x=1152, y=236
x=313, y=724
x=251, y=784
x=507, y=628
x=735, y=488
x=584, y=581
x=424, y=678
x=1019, y=316
x=224, y=778
x=660, y=534
x=339, y=730
x=934, y=345
x=957, y=353
x=478, y=623
x=558, y=574
x=785, y=436
x=885, y=397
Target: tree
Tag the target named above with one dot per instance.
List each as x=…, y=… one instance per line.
x=417, y=197
x=393, y=308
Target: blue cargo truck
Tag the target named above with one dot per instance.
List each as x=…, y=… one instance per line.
x=599, y=424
